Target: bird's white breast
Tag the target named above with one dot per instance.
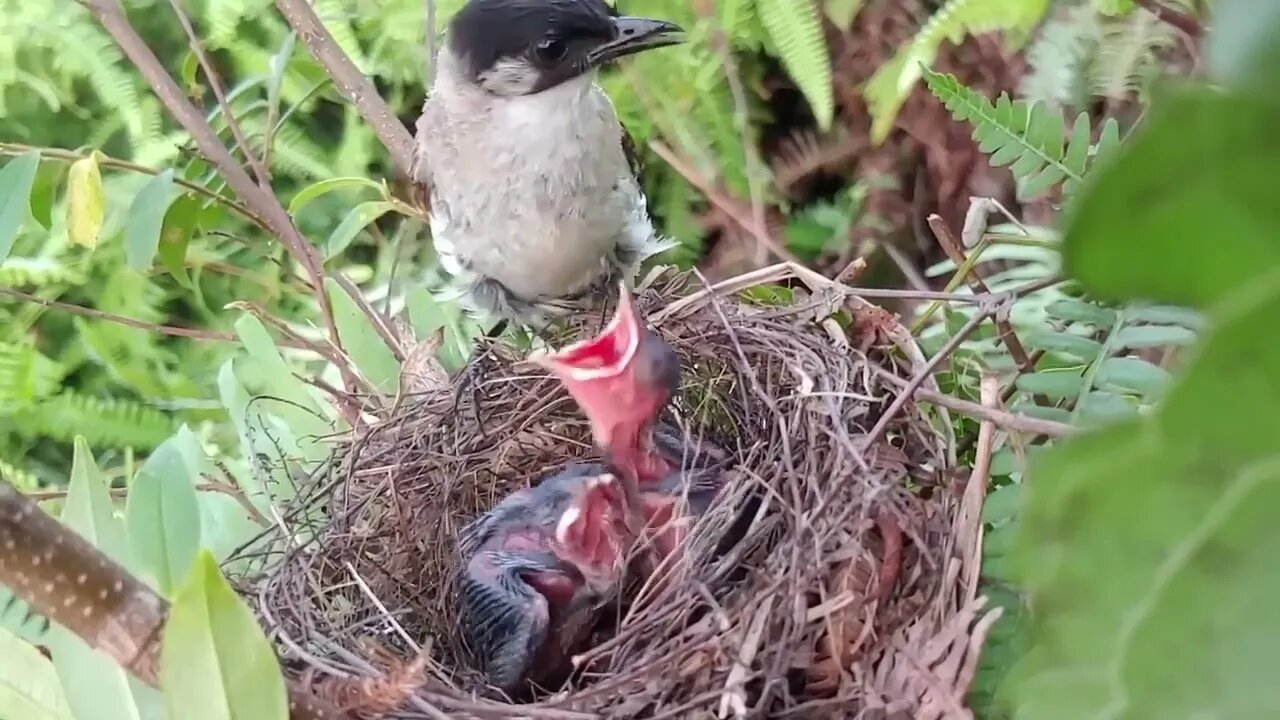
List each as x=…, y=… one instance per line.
x=533, y=191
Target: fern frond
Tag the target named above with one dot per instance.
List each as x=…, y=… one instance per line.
x=892, y=83
x=1127, y=53
x=1057, y=60
x=795, y=26
x=110, y=422
x=25, y=376
x=1028, y=138
x=38, y=272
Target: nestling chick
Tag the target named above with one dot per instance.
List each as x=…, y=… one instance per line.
x=622, y=379
x=535, y=207
x=537, y=568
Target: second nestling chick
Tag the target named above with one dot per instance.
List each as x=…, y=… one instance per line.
x=538, y=567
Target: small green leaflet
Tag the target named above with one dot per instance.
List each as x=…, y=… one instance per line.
x=180, y=222
x=215, y=662
x=313, y=191
x=355, y=221
x=145, y=220
x=15, y=197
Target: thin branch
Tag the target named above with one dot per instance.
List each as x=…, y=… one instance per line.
x=118, y=164
x=171, y=330
x=918, y=379
x=215, y=84
x=1005, y=328
x=725, y=203
x=1176, y=18
x=264, y=202
x=1003, y=419
x=354, y=85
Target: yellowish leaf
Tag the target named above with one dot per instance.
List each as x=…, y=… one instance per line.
x=86, y=203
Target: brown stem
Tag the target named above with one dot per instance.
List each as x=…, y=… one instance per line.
x=729, y=206
x=69, y=581
x=353, y=84
x=1003, y=419
x=172, y=330
x=1176, y=18
x=1004, y=328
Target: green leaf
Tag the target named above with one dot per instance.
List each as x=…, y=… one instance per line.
x=372, y=358
x=1199, y=148
x=1002, y=503
x=1081, y=347
x=86, y=203
x=315, y=190
x=215, y=662
x=290, y=398
x=15, y=193
x=1073, y=310
x=88, y=508
x=1146, y=336
x=796, y=30
x=1165, y=315
x=351, y=225
x=94, y=684
x=29, y=687
x=1134, y=375
x=180, y=222
x=1055, y=384
x=164, y=517
x=1156, y=536
x=145, y=220
x=44, y=192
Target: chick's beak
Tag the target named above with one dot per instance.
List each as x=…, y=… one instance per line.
x=636, y=34
x=619, y=380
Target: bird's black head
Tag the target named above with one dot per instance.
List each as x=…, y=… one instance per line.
x=520, y=47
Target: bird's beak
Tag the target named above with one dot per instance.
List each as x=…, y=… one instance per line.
x=636, y=34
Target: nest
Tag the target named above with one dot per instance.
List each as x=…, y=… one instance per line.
x=849, y=592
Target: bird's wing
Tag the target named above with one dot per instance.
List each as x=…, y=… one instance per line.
x=632, y=152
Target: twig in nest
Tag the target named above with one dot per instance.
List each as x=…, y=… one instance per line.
x=1003, y=419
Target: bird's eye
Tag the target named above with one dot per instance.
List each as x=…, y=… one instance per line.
x=551, y=50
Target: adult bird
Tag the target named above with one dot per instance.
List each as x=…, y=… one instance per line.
x=537, y=568
x=535, y=206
